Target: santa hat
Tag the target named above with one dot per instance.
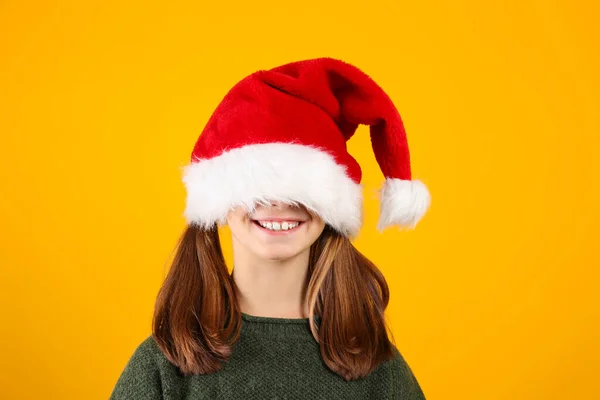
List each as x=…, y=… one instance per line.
x=280, y=135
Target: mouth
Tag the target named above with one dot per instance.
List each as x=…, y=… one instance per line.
x=278, y=226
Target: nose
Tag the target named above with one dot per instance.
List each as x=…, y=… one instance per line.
x=277, y=204
x=280, y=205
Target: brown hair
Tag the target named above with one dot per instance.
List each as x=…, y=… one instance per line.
x=197, y=319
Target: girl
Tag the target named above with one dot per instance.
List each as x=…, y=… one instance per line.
x=301, y=316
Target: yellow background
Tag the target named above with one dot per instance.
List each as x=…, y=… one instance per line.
x=494, y=295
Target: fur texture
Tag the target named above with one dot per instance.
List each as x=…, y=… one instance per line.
x=403, y=203
x=256, y=174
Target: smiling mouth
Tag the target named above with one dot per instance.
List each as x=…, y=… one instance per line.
x=278, y=226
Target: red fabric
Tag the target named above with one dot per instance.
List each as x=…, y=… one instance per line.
x=317, y=102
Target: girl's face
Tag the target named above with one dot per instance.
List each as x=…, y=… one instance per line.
x=278, y=232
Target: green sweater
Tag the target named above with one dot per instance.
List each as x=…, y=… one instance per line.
x=274, y=358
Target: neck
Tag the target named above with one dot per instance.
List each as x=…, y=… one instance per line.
x=271, y=288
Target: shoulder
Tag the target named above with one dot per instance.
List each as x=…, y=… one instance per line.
x=403, y=383
x=147, y=354
x=148, y=349
x=142, y=376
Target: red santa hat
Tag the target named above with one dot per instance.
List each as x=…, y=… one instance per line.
x=280, y=135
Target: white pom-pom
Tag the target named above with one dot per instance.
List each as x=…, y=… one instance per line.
x=403, y=203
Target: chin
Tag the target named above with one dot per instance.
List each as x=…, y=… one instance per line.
x=277, y=253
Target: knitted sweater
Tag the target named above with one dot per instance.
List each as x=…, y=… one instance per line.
x=274, y=358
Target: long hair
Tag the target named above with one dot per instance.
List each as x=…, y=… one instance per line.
x=197, y=319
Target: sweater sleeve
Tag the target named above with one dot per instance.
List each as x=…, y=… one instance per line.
x=140, y=379
x=404, y=385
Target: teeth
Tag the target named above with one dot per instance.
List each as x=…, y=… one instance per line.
x=277, y=226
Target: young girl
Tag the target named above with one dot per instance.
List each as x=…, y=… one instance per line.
x=301, y=316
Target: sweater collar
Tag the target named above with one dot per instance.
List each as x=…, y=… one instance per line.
x=272, y=327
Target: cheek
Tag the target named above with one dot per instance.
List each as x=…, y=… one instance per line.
x=318, y=224
x=313, y=232
x=237, y=217
x=240, y=226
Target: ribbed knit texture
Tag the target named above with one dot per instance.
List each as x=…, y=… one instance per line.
x=275, y=358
